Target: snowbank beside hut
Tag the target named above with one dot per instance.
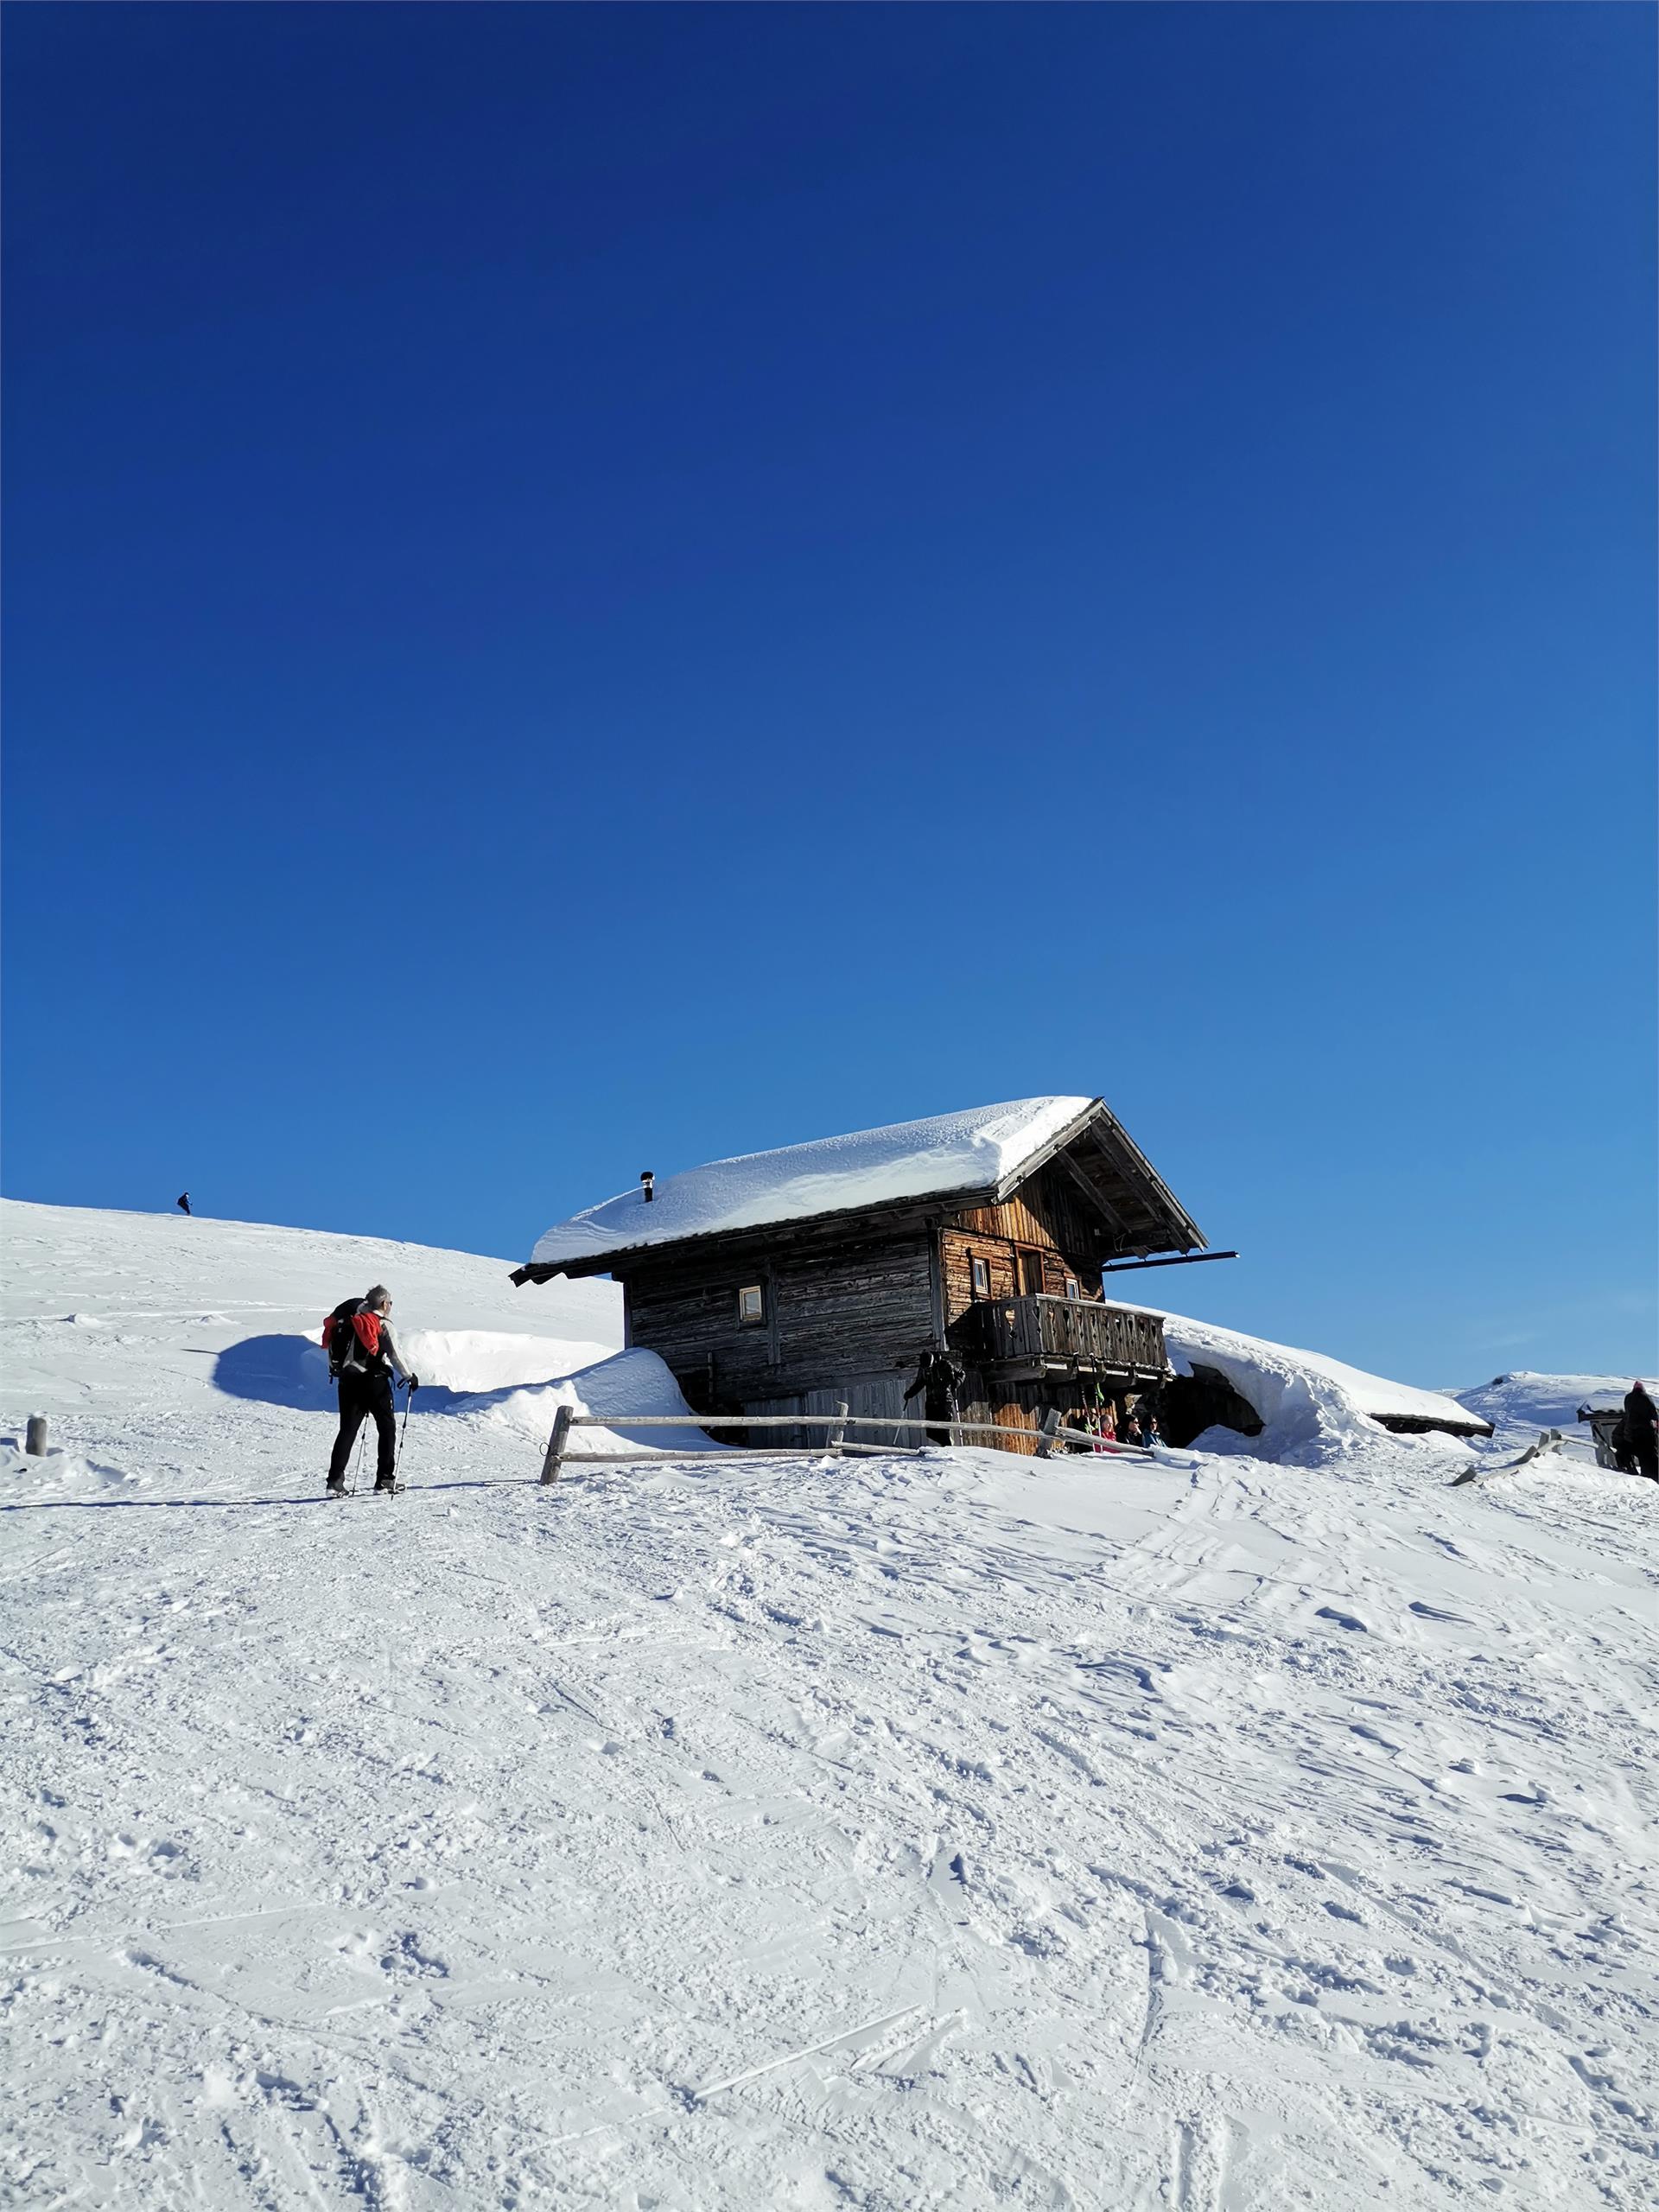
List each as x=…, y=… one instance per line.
x=1312, y=1409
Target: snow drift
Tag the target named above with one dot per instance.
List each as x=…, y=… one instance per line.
x=472, y=1360
x=1313, y=1409
x=623, y=1383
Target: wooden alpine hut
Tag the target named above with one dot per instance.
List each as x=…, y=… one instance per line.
x=949, y=1267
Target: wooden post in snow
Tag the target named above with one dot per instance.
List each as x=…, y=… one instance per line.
x=556, y=1442
x=1047, y=1432
x=839, y=1430
x=35, y=1436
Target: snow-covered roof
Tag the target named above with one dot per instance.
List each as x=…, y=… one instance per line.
x=979, y=1150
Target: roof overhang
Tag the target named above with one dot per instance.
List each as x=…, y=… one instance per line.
x=1101, y=1153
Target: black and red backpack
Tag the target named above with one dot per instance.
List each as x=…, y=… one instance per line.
x=350, y=1338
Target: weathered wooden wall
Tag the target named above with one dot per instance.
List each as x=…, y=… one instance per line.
x=854, y=1316
x=1047, y=1214
x=1047, y=1210
x=870, y=1396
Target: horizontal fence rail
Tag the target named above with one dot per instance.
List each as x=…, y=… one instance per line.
x=559, y=1454
x=807, y=1420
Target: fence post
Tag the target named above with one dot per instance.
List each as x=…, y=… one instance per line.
x=839, y=1430
x=556, y=1442
x=35, y=1436
x=1047, y=1431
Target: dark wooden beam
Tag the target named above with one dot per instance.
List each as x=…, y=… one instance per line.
x=1186, y=1259
x=1130, y=1166
x=1068, y=1163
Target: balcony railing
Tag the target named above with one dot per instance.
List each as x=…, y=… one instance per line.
x=1043, y=1332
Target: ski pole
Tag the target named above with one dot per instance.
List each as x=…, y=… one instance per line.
x=404, y=1432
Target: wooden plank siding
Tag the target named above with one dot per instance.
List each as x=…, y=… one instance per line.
x=858, y=1314
x=1046, y=1215
x=858, y=1311
x=870, y=1396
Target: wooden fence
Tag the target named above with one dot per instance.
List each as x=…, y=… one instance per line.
x=836, y=1442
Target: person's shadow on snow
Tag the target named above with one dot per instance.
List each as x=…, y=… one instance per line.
x=277, y=1371
x=291, y=1371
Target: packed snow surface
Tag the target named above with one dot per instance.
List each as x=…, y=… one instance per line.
x=936, y=1832
x=1309, y=1405
x=970, y=1151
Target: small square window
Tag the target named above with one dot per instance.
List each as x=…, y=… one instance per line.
x=1071, y=1286
x=981, y=1272
x=752, y=1304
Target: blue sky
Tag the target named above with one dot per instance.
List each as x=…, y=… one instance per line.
x=589, y=588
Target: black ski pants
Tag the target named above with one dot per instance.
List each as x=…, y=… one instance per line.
x=363, y=1396
x=1644, y=1450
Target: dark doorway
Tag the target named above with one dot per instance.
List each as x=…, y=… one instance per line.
x=1204, y=1399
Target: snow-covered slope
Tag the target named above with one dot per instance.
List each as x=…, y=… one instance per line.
x=148, y=1280
x=1518, y=1406
x=944, y=1831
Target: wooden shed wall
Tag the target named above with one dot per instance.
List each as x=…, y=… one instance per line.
x=1047, y=1210
x=854, y=1315
x=854, y=1312
x=1045, y=1215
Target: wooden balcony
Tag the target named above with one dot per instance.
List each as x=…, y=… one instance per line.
x=1025, y=1337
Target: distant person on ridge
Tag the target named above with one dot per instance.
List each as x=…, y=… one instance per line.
x=182, y=1202
x=1642, y=1431
x=362, y=1354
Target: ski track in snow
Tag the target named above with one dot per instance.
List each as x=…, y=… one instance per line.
x=945, y=1832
